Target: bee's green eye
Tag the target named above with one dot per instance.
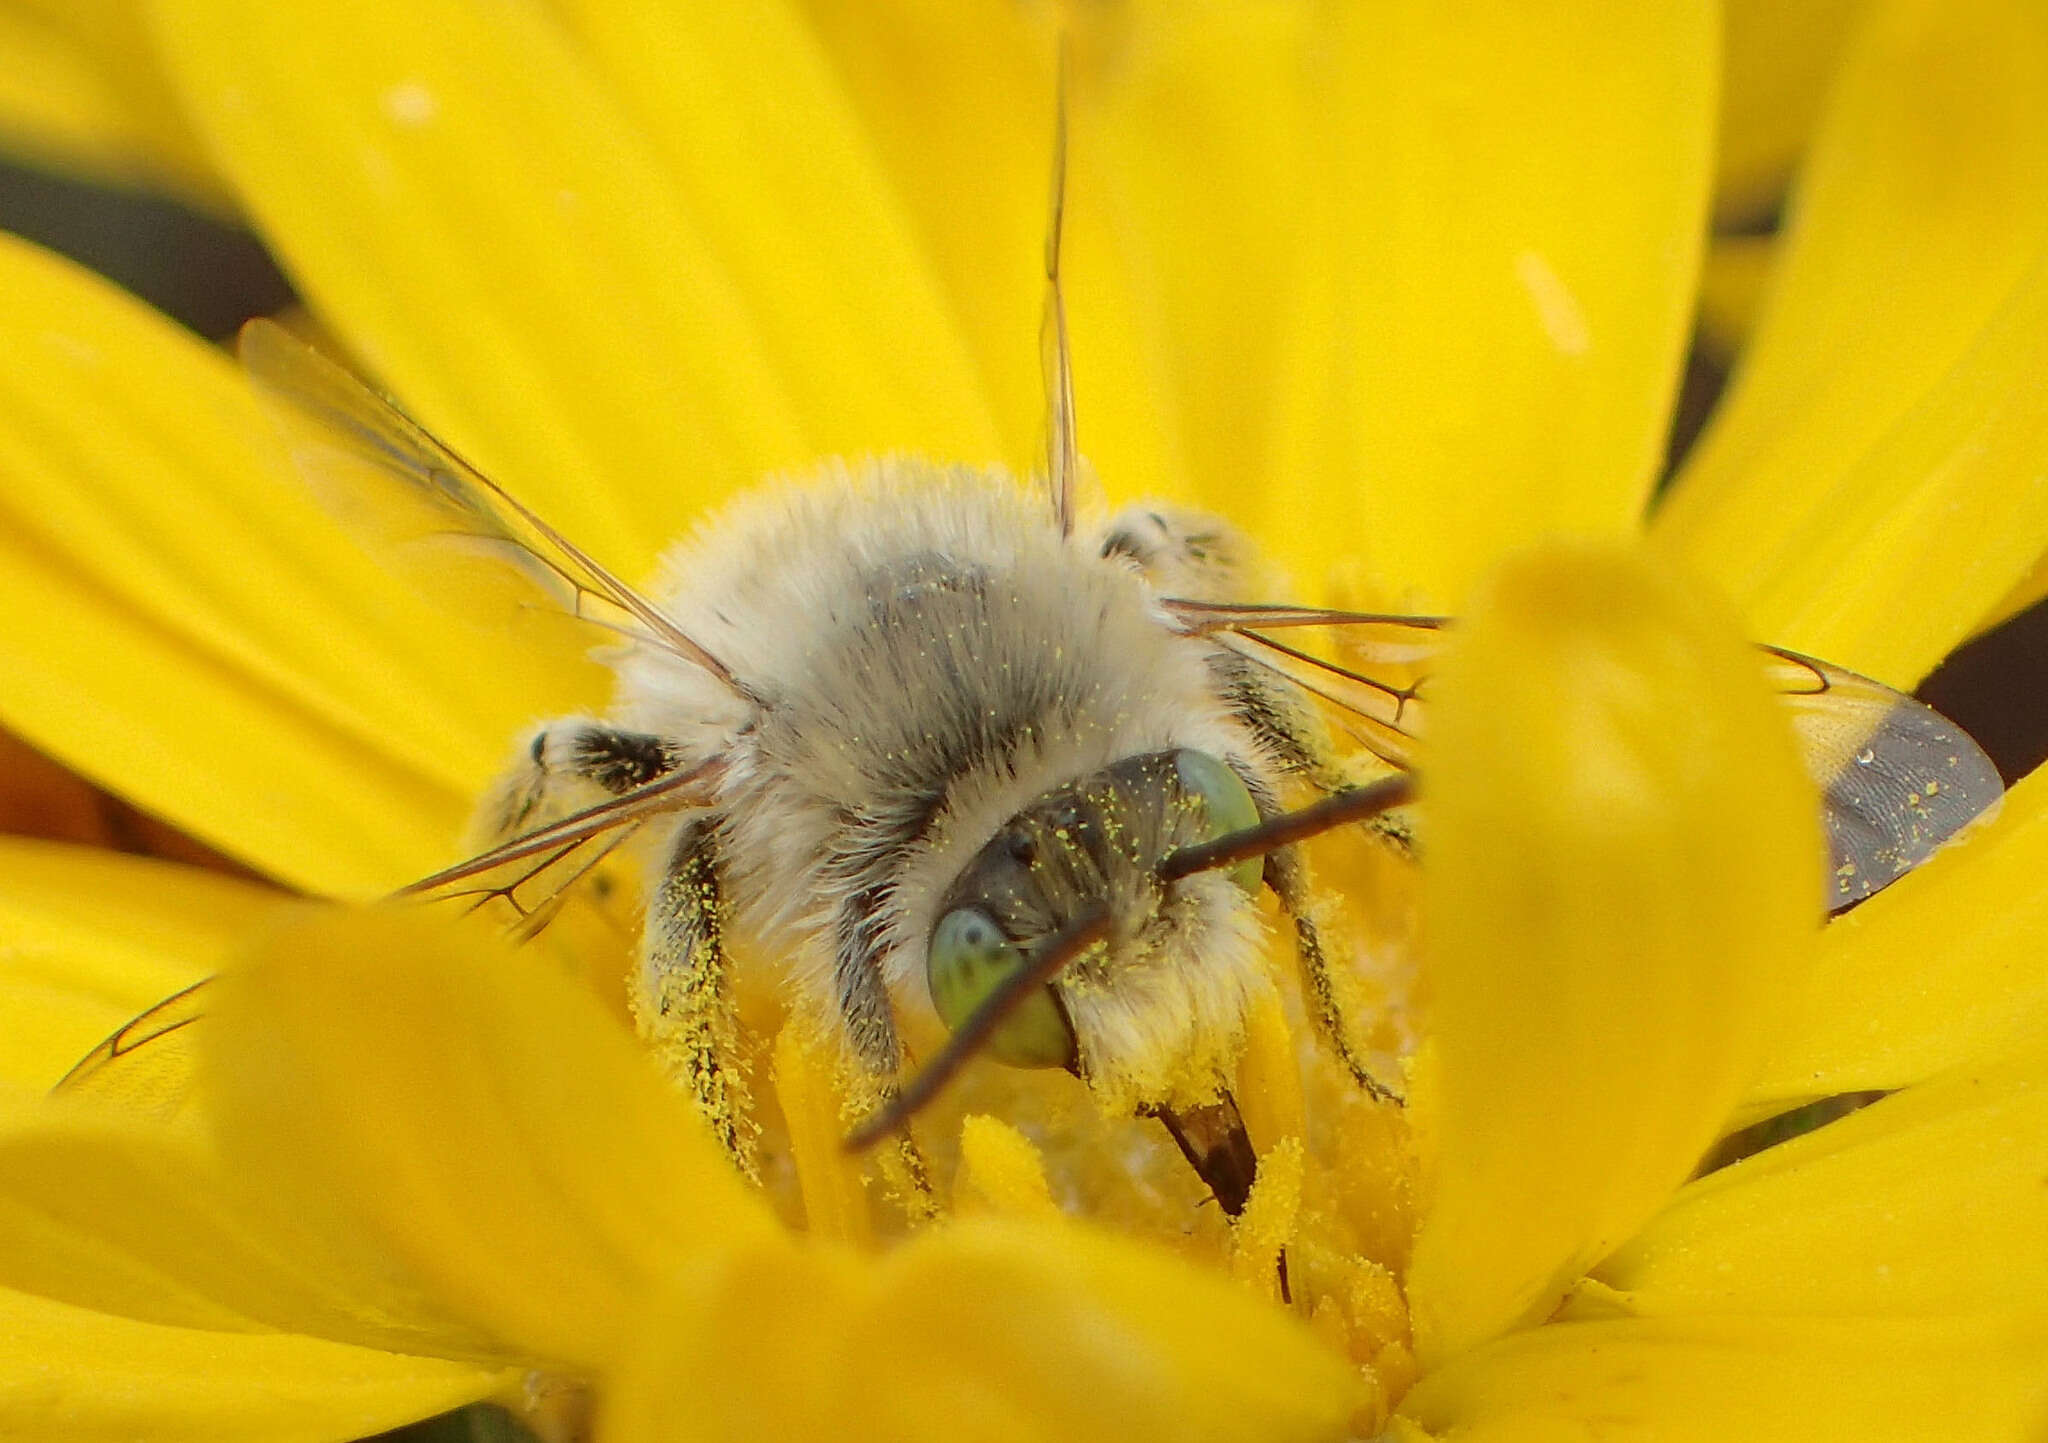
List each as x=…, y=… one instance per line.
x=1228, y=804
x=969, y=958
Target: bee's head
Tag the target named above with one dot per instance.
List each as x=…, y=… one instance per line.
x=1095, y=846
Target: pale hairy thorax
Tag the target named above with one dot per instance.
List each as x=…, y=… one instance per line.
x=931, y=655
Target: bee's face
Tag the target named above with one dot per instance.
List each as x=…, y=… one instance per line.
x=1092, y=845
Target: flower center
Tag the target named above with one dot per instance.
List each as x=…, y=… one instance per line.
x=1328, y=1226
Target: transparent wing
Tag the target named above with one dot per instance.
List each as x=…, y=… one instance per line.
x=1383, y=715
x=523, y=880
x=1897, y=778
x=148, y=1064
x=390, y=479
x=386, y=475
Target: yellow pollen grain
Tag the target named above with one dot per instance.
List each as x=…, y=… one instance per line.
x=1001, y=1171
x=1268, y=1075
x=906, y=1177
x=1268, y=1219
x=1360, y=1297
x=1377, y=1311
x=829, y=1177
x=1326, y=1321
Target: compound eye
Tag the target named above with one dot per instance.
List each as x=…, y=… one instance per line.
x=1228, y=804
x=968, y=960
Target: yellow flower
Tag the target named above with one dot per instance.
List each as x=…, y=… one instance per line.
x=1778, y=62
x=1424, y=306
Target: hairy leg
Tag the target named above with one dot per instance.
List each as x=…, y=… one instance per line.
x=684, y=1001
x=1287, y=876
x=568, y=764
x=871, y=1029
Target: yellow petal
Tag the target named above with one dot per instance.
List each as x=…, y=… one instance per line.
x=1778, y=62
x=957, y=101
x=1927, y=1203
x=2030, y=589
x=107, y=1211
x=79, y=91
x=92, y=938
x=1867, y=491
x=57, y=108
x=1770, y=1380
x=1178, y=290
x=1732, y=288
x=451, y=186
x=474, y=1117
x=1623, y=865
x=761, y=140
x=191, y=631
x=993, y=1330
x=1506, y=219
x=1941, y=968
x=87, y=1377
x=1173, y=290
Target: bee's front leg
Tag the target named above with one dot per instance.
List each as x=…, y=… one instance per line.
x=568, y=764
x=871, y=1029
x=1287, y=875
x=1283, y=875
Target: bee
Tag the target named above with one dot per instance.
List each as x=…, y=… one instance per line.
x=912, y=729
x=939, y=742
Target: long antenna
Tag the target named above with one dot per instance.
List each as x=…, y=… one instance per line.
x=1053, y=955
x=1063, y=455
x=1271, y=835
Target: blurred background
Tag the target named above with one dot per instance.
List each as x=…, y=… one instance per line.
x=207, y=275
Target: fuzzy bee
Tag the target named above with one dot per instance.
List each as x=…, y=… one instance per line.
x=931, y=740
x=906, y=728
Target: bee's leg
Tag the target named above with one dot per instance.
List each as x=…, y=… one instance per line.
x=1292, y=735
x=684, y=1003
x=1191, y=554
x=871, y=1028
x=1287, y=876
x=1284, y=874
x=569, y=763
